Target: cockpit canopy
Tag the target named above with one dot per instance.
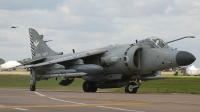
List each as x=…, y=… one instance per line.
x=154, y=42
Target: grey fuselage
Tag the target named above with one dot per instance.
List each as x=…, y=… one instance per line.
x=125, y=60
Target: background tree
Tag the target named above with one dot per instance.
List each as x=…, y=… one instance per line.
x=2, y=61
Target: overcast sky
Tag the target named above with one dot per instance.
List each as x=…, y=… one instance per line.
x=88, y=24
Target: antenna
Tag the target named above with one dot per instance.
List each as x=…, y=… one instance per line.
x=180, y=39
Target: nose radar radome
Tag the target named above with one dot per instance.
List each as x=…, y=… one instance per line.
x=184, y=58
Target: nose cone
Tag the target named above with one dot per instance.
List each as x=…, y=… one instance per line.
x=184, y=58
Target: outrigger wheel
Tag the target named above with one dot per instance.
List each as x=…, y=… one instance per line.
x=32, y=87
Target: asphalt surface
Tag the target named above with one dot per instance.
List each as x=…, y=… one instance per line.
x=17, y=100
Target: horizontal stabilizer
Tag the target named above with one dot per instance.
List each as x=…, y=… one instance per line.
x=32, y=61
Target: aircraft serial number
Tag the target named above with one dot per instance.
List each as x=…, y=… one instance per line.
x=114, y=58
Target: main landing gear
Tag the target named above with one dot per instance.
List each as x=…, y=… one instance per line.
x=89, y=87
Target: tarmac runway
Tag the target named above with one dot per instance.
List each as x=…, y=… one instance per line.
x=17, y=100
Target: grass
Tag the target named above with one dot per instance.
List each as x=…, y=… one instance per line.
x=23, y=82
x=170, y=85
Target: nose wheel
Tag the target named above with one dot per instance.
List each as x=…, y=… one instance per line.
x=132, y=87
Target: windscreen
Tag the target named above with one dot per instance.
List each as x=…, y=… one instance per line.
x=154, y=42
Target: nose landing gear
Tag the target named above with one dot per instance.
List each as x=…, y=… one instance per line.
x=132, y=87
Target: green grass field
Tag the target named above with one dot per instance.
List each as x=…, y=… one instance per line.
x=170, y=85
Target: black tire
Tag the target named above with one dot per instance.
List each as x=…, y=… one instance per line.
x=126, y=89
x=89, y=87
x=32, y=87
x=130, y=88
x=94, y=88
x=86, y=86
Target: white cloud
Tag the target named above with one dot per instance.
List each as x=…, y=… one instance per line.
x=169, y=9
x=65, y=9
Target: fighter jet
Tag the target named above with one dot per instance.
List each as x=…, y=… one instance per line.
x=14, y=26
x=112, y=66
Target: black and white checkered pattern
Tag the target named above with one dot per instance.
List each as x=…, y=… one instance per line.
x=32, y=47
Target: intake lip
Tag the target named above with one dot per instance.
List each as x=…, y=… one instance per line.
x=184, y=58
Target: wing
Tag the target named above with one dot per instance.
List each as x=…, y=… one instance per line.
x=68, y=58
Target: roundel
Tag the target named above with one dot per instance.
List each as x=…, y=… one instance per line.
x=126, y=58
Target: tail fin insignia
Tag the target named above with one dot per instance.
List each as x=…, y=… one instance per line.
x=36, y=43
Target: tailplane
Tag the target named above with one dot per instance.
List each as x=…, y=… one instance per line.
x=39, y=48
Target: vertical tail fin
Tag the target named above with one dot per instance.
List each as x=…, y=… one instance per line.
x=39, y=48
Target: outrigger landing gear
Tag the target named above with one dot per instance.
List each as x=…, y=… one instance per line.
x=32, y=87
x=89, y=87
x=33, y=80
